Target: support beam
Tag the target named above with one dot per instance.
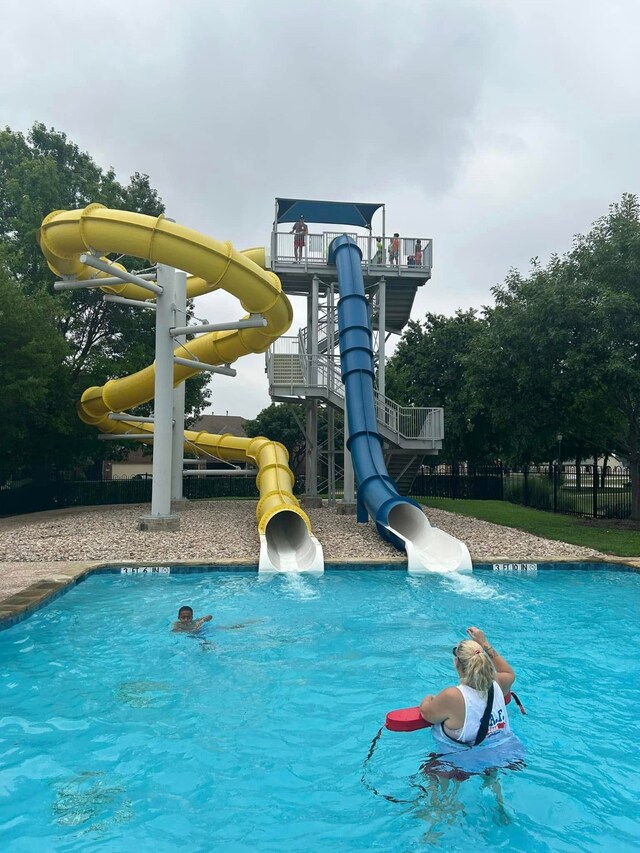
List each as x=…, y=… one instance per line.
x=161, y=517
x=122, y=300
x=311, y=424
x=382, y=328
x=221, y=472
x=349, y=478
x=256, y=321
x=202, y=365
x=123, y=416
x=123, y=275
x=177, y=442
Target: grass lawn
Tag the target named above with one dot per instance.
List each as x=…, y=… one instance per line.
x=608, y=536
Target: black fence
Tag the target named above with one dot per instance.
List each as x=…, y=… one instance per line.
x=62, y=492
x=600, y=492
x=583, y=491
x=457, y=481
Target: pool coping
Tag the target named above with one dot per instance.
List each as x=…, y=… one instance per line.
x=20, y=605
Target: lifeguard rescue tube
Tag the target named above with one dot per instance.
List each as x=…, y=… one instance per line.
x=410, y=719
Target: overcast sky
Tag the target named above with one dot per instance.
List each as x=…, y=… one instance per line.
x=500, y=128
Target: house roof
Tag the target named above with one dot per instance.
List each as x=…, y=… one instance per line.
x=216, y=424
x=220, y=425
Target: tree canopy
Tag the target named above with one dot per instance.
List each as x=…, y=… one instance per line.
x=40, y=172
x=558, y=353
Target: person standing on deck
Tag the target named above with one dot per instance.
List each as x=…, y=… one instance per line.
x=300, y=232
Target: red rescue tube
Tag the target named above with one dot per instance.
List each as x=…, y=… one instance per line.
x=410, y=719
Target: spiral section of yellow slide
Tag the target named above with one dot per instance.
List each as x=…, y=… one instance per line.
x=65, y=235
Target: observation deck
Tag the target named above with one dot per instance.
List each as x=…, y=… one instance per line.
x=403, y=275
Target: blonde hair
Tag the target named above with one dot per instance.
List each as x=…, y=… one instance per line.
x=477, y=669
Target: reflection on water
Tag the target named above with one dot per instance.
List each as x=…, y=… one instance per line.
x=88, y=799
x=143, y=694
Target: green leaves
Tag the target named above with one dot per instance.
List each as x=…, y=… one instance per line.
x=558, y=352
x=87, y=341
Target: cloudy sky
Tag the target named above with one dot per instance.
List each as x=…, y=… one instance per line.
x=500, y=128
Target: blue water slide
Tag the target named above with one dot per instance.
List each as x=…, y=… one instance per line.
x=398, y=519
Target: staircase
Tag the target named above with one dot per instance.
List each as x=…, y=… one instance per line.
x=402, y=466
x=294, y=376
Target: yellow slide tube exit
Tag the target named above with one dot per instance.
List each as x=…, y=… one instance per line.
x=65, y=235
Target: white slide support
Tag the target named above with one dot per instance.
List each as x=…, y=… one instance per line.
x=429, y=549
x=288, y=546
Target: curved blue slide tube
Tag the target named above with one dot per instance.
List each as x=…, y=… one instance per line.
x=377, y=493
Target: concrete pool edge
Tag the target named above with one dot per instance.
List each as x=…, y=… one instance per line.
x=20, y=605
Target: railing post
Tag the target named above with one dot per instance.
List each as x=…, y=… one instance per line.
x=595, y=490
x=526, y=485
x=555, y=488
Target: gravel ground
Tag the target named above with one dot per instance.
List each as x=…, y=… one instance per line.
x=227, y=530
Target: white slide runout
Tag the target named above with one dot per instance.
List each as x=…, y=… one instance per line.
x=428, y=548
x=287, y=546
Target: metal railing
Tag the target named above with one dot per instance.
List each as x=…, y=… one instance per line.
x=395, y=254
x=289, y=367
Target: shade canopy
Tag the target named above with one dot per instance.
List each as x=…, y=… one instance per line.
x=326, y=212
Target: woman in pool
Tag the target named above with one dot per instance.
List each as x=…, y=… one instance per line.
x=457, y=712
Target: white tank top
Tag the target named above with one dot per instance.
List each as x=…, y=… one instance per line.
x=475, y=704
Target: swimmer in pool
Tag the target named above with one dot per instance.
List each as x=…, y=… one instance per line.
x=187, y=624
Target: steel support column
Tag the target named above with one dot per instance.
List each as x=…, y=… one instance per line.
x=179, y=317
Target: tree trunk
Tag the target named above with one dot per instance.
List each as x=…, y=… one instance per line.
x=605, y=462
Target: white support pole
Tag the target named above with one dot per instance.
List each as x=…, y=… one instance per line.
x=349, y=479
x=161, y=517
x=382, y=331
x=99, y=264
x=179, y=314
x=201, y=365
x=311, y=423
x=122, y=300
x=122, y=416
x=313, y=328
x=256, y=321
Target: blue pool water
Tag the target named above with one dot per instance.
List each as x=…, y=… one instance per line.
x=117, y=734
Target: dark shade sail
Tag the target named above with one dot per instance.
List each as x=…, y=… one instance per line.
x=326, y=212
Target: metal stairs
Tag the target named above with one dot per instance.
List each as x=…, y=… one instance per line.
x=294, y=376
x=402, y=466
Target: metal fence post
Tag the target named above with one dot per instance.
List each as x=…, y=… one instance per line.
x=595, y=490
x=555, y=488
x=526, y=485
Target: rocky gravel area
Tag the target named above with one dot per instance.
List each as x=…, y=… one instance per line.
x=226, y=530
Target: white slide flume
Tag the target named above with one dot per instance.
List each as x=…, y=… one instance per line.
x=428, y=548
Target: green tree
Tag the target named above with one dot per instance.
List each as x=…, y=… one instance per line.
x=281, y=422
x=560, y=350
x=607, y=261
x=284, y=422
x=429, y=368
x=44, y=171
x=32, y=376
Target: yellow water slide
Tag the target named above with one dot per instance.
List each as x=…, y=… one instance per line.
x=284, y=528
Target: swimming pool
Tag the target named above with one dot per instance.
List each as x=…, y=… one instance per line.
x=117, y=733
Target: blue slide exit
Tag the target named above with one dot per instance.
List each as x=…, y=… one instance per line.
x=377, y=493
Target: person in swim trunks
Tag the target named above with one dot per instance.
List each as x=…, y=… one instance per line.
x=300, y=232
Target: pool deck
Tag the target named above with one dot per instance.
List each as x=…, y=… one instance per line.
x=43, y=553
